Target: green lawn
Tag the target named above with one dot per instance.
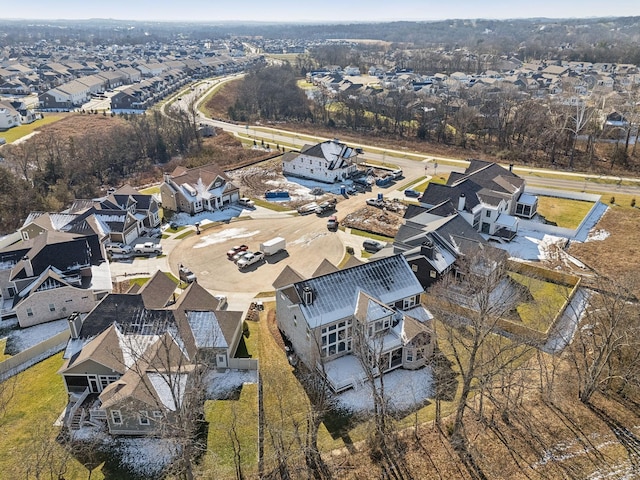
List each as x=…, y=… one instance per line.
x=362, y=233
x=26, y=429
x=151, y=190
x=222, y=416
x=15, y=133
x=3, y=344
x=548, y=299
x=563, y=212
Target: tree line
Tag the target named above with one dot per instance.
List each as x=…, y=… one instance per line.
x=48, y=171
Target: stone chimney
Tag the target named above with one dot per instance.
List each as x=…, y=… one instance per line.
x=461, y=202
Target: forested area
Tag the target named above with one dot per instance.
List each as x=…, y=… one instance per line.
x=68, y=161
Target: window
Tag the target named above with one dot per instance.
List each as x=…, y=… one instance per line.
x=116, y=418
x=409, y=355
x=143, y=417
x=487, y=213
x=52, y=307
x=432, y=274
x=336, y=338
x=107, y=379
x=157, y=414
x=414, y=268
x=409, y=302
x=29, y=312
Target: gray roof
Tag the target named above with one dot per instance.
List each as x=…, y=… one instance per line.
x=335, y=295
x=206, y=330
x=482, y=181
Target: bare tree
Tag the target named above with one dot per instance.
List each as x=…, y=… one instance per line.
x=471, y=304
x=605, y=348
x=385, y=444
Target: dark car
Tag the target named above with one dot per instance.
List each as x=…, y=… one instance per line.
x=409, y=192
x=237, y=249
x=371, y=246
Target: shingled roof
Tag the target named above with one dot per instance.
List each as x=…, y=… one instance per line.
x=335, y=295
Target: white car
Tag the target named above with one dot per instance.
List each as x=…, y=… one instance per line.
x=118, y=248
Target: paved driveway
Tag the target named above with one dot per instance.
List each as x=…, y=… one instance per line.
x=308, y=242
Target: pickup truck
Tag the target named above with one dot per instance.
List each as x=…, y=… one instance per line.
x=147, y=247
x=328, y=206
x=250, y=259
x=246, y=202
x=187, y=275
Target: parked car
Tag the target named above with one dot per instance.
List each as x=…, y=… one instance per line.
x=250, y=259
x=372, y=246
x=409, y=192
x=375, y=202
x=240, y=255
x=397, y=174
x=118, y=248
x=332, y=223
x=246, y=202
x=237, y=249
x=187, y=275
x=222, y=299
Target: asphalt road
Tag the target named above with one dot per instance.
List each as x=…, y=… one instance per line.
x=415, y=164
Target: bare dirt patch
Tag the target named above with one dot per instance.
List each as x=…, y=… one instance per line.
x=78, y=124
x=375, y=220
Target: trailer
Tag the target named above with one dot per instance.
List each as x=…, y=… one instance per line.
x=273, y=246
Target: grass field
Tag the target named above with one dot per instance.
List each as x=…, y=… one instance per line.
x=27, y=434
x=548, y=299
x=3, y=344
x=563, y=212
x=15, y=133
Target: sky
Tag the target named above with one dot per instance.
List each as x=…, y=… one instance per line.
x=333, y=11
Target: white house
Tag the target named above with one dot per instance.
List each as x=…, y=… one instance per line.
x=197, y=189
x=488, y=196
x=329, y=162
x=9, y=117
x=339, y=321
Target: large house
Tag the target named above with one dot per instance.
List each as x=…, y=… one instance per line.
x=47, y=277
x=368, y=315
x=432, y=240
x=488, y=196
x=131, y=363
x=56, y=264
x=197, y=189
x=329, y=162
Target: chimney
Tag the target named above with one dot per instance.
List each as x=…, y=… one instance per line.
x=426, y=249
x=28, y=267
x=307, y=295
x=75, y=324
x=461, y=202
x=511, y=167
